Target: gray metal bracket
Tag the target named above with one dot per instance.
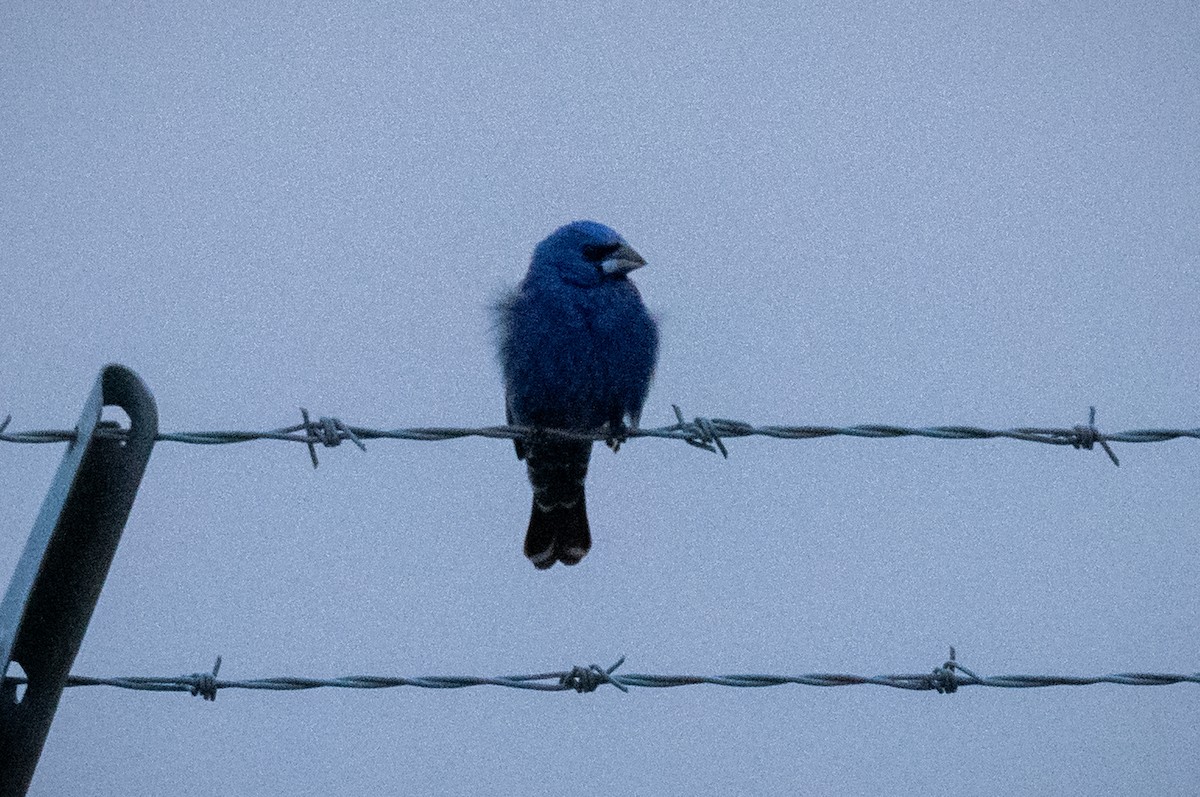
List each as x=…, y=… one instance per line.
x=59, y=576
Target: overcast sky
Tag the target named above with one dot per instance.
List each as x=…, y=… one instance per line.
x=908, y=213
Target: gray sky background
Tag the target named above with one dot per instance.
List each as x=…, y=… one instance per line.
x=909, y=213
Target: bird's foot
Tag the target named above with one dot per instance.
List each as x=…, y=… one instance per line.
x=618, y=433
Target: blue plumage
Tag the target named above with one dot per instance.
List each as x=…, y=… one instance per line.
x=578, y=350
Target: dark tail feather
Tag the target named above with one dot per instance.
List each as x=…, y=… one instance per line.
x=558, y=525
x=558, y=534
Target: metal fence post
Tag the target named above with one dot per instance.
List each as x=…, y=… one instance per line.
x=58, y=578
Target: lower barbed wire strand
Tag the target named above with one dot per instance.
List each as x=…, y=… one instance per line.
x=947, y=678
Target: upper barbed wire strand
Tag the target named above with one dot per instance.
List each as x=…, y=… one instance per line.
x=702, y=432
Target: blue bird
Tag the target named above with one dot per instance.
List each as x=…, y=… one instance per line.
x=577, y=348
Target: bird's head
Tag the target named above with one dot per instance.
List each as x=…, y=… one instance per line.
x=584, y=254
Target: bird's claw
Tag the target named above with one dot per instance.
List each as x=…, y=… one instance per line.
x=618, y=433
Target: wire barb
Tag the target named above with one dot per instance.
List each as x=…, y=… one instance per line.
x=588, y=679
x=205, y=684
x=329, y=432
x=1087, y=436
x=943, y=678
x=701, y=433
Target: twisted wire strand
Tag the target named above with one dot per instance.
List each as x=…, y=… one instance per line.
x=701, y=432
x=945, y=679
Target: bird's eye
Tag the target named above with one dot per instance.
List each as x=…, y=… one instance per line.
x=597, y=252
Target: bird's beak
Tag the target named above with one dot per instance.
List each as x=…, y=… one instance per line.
x=622, y=261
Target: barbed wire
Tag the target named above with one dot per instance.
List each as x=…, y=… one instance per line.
x=702, y=432
x=944, y=679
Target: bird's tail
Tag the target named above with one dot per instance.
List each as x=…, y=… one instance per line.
x=558, y=534
x=558, y=524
